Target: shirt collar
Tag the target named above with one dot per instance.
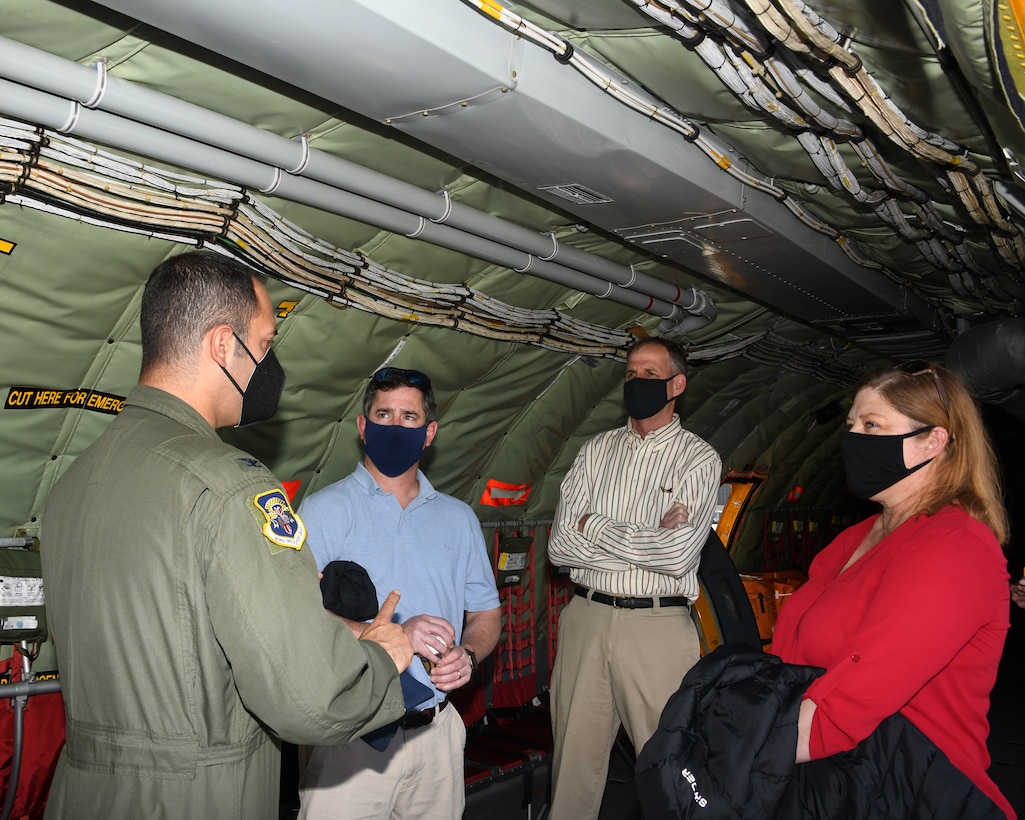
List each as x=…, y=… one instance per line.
x=366, y=481
x=657, y=437
x=167, y=404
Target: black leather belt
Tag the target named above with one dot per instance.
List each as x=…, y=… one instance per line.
x=414, y=720
x=631, y=603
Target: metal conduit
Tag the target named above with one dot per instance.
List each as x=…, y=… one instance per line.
x=474, y=232
x=70, y=117
x=23, y=689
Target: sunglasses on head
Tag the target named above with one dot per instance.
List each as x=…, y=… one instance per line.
x=388, y=375
x=916, y=367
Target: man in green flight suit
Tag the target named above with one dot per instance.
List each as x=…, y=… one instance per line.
x=190, y=631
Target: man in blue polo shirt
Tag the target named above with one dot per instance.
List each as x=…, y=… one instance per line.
x=387, y=517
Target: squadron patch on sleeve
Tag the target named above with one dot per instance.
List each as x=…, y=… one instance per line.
x=280, y=524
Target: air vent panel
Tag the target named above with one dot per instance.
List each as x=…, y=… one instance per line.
x=580, y=194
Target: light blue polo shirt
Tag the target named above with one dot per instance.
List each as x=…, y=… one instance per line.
x=432, y=551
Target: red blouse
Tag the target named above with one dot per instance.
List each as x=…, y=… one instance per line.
x=915, y=626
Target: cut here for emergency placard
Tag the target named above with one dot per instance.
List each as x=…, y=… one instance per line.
x=37, y=398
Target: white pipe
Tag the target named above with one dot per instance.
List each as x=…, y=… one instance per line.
x=96, y=89
x=70, y=117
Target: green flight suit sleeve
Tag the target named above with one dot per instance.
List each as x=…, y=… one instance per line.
x=295, y=666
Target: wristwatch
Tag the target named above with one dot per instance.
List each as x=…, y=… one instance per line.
x=473, y=659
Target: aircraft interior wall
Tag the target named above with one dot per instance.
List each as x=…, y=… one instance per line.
x=511, y=412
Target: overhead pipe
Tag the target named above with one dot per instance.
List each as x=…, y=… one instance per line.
x=95, y=89
x=70, y=117
x=701, y=308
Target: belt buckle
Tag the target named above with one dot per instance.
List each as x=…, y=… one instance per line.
x=615, y=602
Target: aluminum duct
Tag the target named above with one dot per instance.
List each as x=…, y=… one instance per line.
x=991, y=360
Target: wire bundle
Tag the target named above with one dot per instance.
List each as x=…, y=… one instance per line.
x=766, y=53
x=49, y=172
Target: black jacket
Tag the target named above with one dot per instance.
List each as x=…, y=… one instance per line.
x=725, y=749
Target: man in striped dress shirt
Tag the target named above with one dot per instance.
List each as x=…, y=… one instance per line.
x=634, y=512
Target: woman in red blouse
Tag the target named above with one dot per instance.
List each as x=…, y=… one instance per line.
x=908, y=610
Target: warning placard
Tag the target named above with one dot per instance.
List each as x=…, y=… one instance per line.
x=37, y=398
x=18, y=592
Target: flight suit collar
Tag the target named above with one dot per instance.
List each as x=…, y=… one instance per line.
x=160, y=401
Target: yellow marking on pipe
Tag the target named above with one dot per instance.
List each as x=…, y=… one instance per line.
x=491, y=8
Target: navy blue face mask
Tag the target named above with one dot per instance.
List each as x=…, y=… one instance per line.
x=645, y=397
x=392, y=447
x=875, y=463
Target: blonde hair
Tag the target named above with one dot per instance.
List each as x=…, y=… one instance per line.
x=966, y=473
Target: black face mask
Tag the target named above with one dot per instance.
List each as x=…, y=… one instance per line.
x=645, y=397
x=260, y=398
x=874, y=463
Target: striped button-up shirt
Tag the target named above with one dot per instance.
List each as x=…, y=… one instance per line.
x=626, y=483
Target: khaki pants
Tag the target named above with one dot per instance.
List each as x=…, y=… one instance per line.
x=418, y=777
x=613, y=666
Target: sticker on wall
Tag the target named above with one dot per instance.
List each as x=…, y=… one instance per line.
x=503, y=494
x=286, y=307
